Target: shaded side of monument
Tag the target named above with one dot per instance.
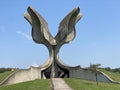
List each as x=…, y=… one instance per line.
x=54, y=67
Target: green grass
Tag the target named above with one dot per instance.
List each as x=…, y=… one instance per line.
x=4, y=75
x=78, y=84
x=43, y=84
x=114, y=75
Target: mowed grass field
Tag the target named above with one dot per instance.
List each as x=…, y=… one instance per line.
x=43, y=84
x=78, y=84
x=4, y=75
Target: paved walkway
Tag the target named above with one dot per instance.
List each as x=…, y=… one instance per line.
x=59, y=84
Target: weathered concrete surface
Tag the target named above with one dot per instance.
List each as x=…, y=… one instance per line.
x=23, y=75
x=41, y=35
x=35, y=73
x=59, y=84
x=88, y=74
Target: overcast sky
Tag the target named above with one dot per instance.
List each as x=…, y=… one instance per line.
x=97, y=38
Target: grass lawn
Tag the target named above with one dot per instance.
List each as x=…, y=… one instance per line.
x=114, y=75
x=43, y=84
x=4, y=75
x=78, y=84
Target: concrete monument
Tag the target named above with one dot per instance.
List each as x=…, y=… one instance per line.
x=40, y=34
x=54, y=67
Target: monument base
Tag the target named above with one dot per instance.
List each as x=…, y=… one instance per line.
x=33, y=73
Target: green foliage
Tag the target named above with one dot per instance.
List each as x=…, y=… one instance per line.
x=107, y=68
x=4, y=75
x=5, y=69
x=42, y=84
x=94, y=66
x=116, y=70
x=113, y=70
x=78, y=84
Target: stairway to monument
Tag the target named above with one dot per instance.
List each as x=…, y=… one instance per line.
x=59, y=84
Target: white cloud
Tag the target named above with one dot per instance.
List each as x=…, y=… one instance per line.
x=34, y=65
x=24, y=34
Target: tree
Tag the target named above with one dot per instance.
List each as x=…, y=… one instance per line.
x=94, y=67
x=107, y=68
x=4, y=69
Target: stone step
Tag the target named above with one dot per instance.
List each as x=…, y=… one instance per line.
x=59, y=84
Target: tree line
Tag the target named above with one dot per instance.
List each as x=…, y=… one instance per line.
x=93, y=66
x=112, y=70
x=97, y=66
x=2, y=70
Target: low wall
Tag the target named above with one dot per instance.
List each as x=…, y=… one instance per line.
x=35, y=73
x=23, y=75
x=87, y=74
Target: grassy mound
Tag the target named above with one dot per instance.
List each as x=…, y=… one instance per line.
x=114, y=75
x=78, y=84
x=4, y=75
x=43, y=84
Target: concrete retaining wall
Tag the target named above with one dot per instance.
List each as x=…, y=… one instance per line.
x=23, y=75
x=87, y=74
x=35, y=73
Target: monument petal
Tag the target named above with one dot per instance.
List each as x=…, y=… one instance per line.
x=40, y=31
x=67, y=31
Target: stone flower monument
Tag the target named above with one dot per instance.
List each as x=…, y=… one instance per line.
x=41, y=35
x=54, y=67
